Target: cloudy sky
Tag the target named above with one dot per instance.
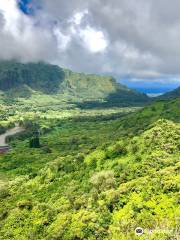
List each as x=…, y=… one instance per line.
x=137, y=41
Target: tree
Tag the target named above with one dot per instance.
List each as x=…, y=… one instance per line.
x=34, y=142
x=103, y=180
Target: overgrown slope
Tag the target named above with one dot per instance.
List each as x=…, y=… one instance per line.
x=95, y=179
x=167, y=109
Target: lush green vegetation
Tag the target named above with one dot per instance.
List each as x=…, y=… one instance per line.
x=95, y=174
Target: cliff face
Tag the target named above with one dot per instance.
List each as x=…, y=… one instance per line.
x=41, y=77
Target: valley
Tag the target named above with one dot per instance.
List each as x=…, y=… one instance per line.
x=89, y=120
x=97, y=173
x=88, y=169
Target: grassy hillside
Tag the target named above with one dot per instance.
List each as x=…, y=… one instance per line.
x=168, y=109
x=28, y=81
x=94, y=178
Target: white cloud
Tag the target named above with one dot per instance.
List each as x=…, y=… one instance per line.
x=62, y=40
x=93, y=39
x=133, y=38
x=78, y=17
x=11, y=16
x=21, y=38
x=158, y=80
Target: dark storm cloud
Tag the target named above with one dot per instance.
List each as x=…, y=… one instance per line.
x=125, y=38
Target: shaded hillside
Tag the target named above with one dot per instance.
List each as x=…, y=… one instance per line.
x=25, y=80
x=39, y=77
x=172, y=94
x=121, y=97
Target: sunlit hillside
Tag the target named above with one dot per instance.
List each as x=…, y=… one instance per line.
x=93, y=178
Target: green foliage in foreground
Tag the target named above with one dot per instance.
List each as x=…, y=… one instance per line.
x=95, y=179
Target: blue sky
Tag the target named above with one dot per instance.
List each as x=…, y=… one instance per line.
x=151, y=87
x=25, y=6
x=105, y=37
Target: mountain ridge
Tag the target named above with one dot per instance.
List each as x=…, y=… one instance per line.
x=171, y=94
x=52, y=80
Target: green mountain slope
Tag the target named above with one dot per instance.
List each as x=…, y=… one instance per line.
x=172, y=94
x=39, y=77
x=19, y=80
x=95, y=180
x=168, y=109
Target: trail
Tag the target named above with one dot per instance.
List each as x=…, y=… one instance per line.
x=9, y=132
